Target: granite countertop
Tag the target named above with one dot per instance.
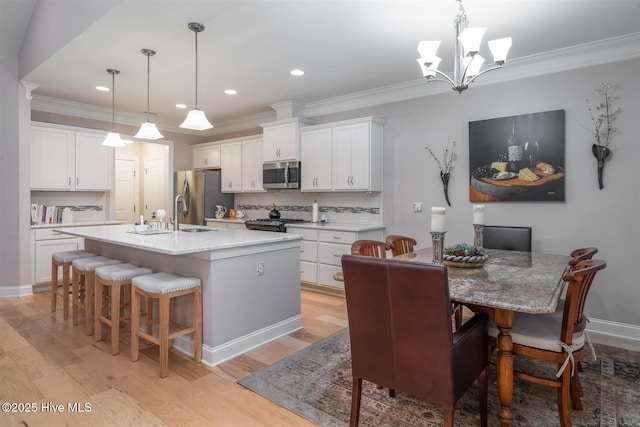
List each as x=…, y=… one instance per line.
x=529, y=282
x=335, y=226
x=77, y=224
x=178, y=242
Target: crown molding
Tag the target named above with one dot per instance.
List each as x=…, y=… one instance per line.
x=581, y=56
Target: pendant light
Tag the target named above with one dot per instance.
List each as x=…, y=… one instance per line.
x=148, y=130
x=196, y=118
x=113, y=138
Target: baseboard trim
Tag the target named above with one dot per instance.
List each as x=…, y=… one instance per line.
x=216, y=355
x=15, y=291
x=616, y=329
x=323, y=289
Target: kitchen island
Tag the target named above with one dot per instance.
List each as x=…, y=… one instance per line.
x=251, y=279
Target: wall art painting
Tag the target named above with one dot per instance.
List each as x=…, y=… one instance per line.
x=517, y=158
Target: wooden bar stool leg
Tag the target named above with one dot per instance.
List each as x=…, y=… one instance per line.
x=89, y=286
x=65, y=290
x=135, y=323
x=75, y=290
x=115, y=317
x=98, y=310
x=164, y=335
x=54, y=284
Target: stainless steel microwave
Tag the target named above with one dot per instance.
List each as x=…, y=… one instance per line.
x=281, y=175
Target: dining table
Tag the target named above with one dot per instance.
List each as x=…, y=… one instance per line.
x=507, y=282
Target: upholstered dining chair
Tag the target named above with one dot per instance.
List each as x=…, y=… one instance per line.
x=506, y=238
x=399, y=316
x=371, y=248
x=400, y=244
x=557, y=339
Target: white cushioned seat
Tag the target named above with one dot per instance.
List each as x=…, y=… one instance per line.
x=164, y=283
x=91, y=263
x=68, y=256
x=539, y=331
x=121, y=272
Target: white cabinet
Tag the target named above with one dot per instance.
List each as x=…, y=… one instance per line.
x=65, y=160
x=357, y=156
x=321, y=253
x=46, y=243
x=206, y=156
x=281, y=140
x=52, y=159
x=230, y=224
x=231, y=161
x=316, y=159
x=94, y=163
x=252, y=165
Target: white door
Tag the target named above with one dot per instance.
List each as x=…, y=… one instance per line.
x=126, y=190
x=155, y=185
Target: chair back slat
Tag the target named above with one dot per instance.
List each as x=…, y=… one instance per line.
x=400, y=244
x=371, y=248
x=579, y=282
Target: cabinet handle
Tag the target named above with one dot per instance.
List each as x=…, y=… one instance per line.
x=206, y=161
x=337, y=237
x=69, y=182
x=337, y=255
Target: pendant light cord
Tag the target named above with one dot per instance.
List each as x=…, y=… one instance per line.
x=196, y=32
x=113, y=100
x=148, y=78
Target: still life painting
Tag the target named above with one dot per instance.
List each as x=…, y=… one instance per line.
x=518, y=158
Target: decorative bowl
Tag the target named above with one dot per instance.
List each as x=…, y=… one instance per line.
x=463, y=255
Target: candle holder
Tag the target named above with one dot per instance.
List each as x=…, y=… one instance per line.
x=477, y=234
x=437, y=240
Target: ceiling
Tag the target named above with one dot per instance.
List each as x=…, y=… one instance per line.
x=344, y=47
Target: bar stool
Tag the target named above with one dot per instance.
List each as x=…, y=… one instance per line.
x=115, y=278
x=164, y=287
x=63, y=259
x=83, y=275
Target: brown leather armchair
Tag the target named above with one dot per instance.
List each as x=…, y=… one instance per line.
x=401, y=337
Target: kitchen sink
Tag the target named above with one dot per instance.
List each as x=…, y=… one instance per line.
x=195, y=230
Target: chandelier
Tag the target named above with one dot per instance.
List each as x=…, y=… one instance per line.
x=467, y=61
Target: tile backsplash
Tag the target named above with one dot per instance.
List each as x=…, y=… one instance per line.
x=350, y=208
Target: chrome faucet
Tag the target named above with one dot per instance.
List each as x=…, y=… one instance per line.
x=176, y=225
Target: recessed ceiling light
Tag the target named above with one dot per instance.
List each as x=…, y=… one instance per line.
x=231, y=92
x=297, y=72
x=102, y=88
x=181, y=106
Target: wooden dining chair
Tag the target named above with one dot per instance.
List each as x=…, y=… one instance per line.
x=506, y=238
x=557, y=339
x=400, y=244
x=399, y=315
x=372, y=248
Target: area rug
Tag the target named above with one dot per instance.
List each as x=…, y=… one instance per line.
x=315, y=383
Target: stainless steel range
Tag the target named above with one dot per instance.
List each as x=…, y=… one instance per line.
x=266, y=224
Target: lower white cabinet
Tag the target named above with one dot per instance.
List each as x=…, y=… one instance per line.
x=321, y=252
x=226, y=224
x=46, y=243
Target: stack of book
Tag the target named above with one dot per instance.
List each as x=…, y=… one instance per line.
x=42, y=214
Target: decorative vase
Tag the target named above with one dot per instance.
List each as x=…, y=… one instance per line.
x=445, y=185
x=601, y=153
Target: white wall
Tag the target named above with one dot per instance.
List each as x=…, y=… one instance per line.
x=605, y=218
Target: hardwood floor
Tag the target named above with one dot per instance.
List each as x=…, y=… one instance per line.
x=45, y=362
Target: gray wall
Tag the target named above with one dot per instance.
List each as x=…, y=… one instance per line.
x=605, y=218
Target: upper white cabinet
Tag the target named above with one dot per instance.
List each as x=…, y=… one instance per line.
x=357, y=155
x=63, y=159
x=281, y=140
x=315, y=148
x=231, y=160
x=252, y=165
x=206, y=156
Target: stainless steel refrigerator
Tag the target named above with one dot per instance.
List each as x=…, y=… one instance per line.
x=201, y=191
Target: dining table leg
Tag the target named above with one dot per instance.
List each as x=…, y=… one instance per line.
x=504, y=321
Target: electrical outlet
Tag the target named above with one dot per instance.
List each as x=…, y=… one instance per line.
x=417, y=207
x=260, y=268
